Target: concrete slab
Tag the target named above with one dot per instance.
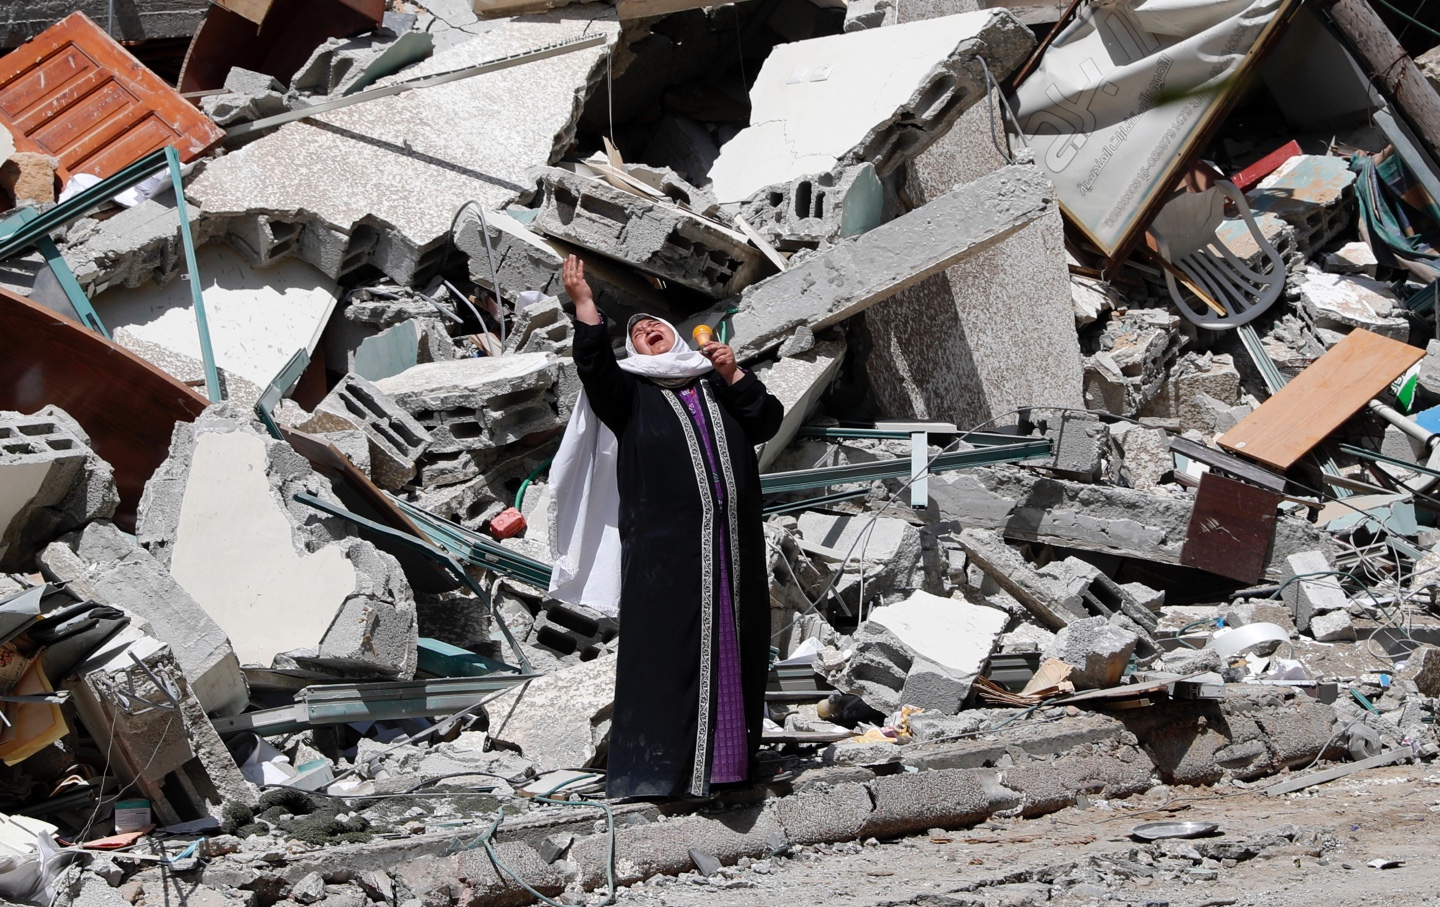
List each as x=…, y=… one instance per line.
x=854, y=274
x=258, y=317
x=333, y=179
x=1025, y=507
x=104, y=565
x=799, y=382
x=953, y=633
x=880, y=95
x=275, y=576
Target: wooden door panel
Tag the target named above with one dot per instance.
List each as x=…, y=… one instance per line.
x=75, y=94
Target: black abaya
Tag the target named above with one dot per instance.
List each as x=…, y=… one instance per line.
x=672, y=535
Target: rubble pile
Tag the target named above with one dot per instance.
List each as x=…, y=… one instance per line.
x=1068, y=501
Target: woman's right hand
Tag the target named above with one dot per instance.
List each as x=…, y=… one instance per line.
x=573, y=273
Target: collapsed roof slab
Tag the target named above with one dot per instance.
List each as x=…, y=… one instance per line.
x=880, y=95
x=1024, y=506
x=994, y=331
x=388, y=175
x=855, y=274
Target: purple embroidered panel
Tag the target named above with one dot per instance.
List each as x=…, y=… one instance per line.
x=730, y=753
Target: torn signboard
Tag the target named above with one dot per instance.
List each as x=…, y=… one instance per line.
x=1122, y=95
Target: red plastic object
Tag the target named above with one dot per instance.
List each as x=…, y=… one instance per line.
x=1246, y=179
x=509, y=522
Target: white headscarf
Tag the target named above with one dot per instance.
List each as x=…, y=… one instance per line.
x=584, y=489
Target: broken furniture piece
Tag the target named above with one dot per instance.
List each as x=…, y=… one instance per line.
x=1231, y=292
x=74, y=93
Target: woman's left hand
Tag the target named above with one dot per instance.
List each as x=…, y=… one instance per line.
x=723, y=358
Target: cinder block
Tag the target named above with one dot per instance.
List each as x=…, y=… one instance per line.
x=396, y=439
x=656, y=237
x=50, y=483
x=817, y=209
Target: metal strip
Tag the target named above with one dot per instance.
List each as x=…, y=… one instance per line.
x=432, y=551
x=275, y=391
x=192, y=274
x=76, y=207
x=804, y=479
x=919, y=471
x=454, y=75
x=63, y=275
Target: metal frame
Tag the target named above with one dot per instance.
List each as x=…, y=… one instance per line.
x=275, y=391
x=192, y=274
x=429, y=550
x=821, y=477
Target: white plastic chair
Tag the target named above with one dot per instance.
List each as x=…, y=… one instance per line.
x=1185, y=235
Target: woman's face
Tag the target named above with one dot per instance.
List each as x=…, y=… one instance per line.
x=651, y=338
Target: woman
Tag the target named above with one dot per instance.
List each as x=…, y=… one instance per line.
x=675, y=435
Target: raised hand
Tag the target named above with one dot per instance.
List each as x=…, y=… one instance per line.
x=578, y=289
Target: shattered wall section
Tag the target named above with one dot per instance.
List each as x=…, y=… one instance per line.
x=275, y=575
x=328, y=189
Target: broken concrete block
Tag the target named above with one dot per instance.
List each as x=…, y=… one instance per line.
x=1146, y=453
x=1422, y=667
x=568, y=630
x=876, y=669
x=28, y=178
x=954, y=633
x=1429, y=380
x=50, y=483
x=1260, y=612
x=1318, y=592
x=1025, y=507
x=1352, y=258
x=257, y=318
x=102, y=564
x=172, y=754
x=1213, y=374
x=135, y=246
x=1097, y=649
x=887, y=550
x=248, y=96
x=396, y=439
x=478, y=404
x=276, y=575
x=1045, y=595
x=879, y=95
x=1339, y=303
x=854, y=274
x=863, y=14
x=1315, y=194
x=1127, y=363
x=331, y=184
x=799, y=382
x=1332, y=626
x=541, y=327
x=817, y=209
x=561, y=720
x=653, y=236
x=1081, y=444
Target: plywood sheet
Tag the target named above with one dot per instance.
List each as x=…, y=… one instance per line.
x=127, y=406
x=1231, y=528
x=1317, y=402
x=75, y=94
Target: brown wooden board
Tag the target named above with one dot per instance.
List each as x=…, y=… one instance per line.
x=1231, y=528
x=278, y=46
x=1320, y=399
x=75, y=94
x=127, y=406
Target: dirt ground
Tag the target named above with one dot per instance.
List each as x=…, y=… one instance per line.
x=1307, y=849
